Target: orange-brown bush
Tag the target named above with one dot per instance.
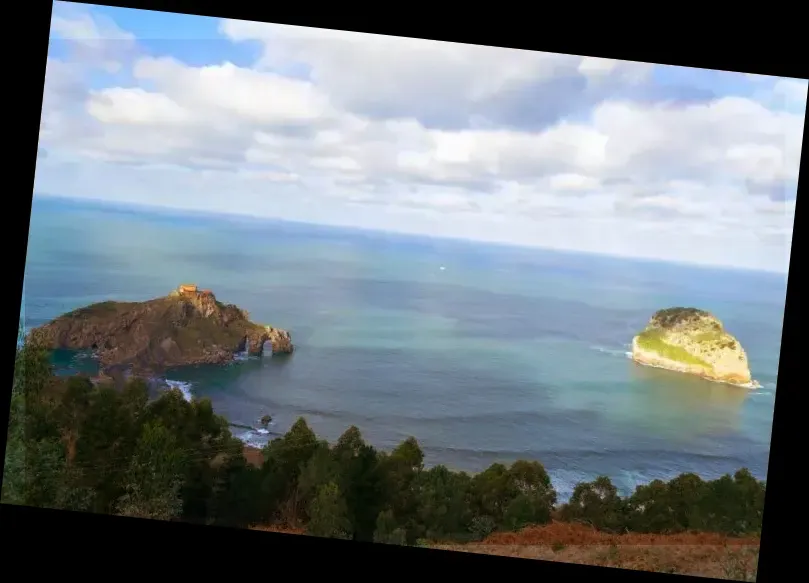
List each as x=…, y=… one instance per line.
x=580, y=534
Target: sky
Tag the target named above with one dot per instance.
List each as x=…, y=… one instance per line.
x=424, y=137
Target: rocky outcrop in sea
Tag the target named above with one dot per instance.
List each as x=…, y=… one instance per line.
x=187, y=327
x=692, y=341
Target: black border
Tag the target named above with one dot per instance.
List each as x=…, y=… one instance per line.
x=69, y=541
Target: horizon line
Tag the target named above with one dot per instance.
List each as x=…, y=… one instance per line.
x=523, y=246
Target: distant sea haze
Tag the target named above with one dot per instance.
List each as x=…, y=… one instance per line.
x=505, y=353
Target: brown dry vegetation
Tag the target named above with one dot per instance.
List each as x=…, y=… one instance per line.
x=696, y=554
x=281, y=529
x=579, y=534
x=253, y=456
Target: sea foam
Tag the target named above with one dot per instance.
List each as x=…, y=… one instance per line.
x=183, y=387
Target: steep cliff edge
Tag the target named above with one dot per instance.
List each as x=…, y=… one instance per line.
x=186, y=327
x=694, y=342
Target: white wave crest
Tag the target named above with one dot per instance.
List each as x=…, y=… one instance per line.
x=183, y=387
x=610, y=351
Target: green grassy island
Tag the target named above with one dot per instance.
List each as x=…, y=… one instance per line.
x=692, y=341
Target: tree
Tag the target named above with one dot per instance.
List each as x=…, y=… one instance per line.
x=482, y=526
x=442, y=502
x=285, y=458
x=134, y=398
x=751, y=501
x=650, y=509
x=535, y=499
x=492, y=491
x=72, y=410
x=318, y=471
x=33, y=379
x=360, y=481
x=329, y=514
x=13, y=487
x=293, y=450
x=409, y=454
x=35, y=471
x=733, y=505
x=236, y=495
x=685, y=494
x=103, y=447
x=531, y=476
x=32, y=369
x=349, y=444
x=366, y=496
x=598, y=504
x=43, y=471
x=171, y=410
x=398, y=473
x=526, y=509
x=154, y=476
x=387, y=531
x=205, y=426
x=204, y=437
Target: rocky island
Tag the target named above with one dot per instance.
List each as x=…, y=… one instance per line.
x=189, y=326
x=695, y=342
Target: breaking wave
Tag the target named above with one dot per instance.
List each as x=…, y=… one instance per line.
x=183, y=387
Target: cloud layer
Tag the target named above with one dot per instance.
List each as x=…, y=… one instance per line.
x=428, y=137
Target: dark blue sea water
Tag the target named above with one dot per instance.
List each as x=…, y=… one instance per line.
x=504, y=353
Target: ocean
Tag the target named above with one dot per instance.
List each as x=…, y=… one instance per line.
x=482, y=352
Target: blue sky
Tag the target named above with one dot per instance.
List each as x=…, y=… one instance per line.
x=419, y=136
x=179, y=35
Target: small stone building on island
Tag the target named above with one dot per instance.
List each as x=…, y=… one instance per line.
x=192, y=292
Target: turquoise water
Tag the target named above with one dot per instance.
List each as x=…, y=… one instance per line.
x=505, y=353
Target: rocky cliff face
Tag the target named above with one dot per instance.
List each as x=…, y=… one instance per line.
x=694, y=342
x=177, y=330
x=280, y=339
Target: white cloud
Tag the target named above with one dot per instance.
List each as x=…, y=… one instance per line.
x=88, y=30
x=263, y=98
x=426, y=136
x=572, y=182
x=435, y=81
x=135, y=106
x=93, y=39
x=792, y=91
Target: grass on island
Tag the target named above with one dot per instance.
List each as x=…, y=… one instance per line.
x=204, y=332
x=652, y=340
x=162, y=319
x=99, y=310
